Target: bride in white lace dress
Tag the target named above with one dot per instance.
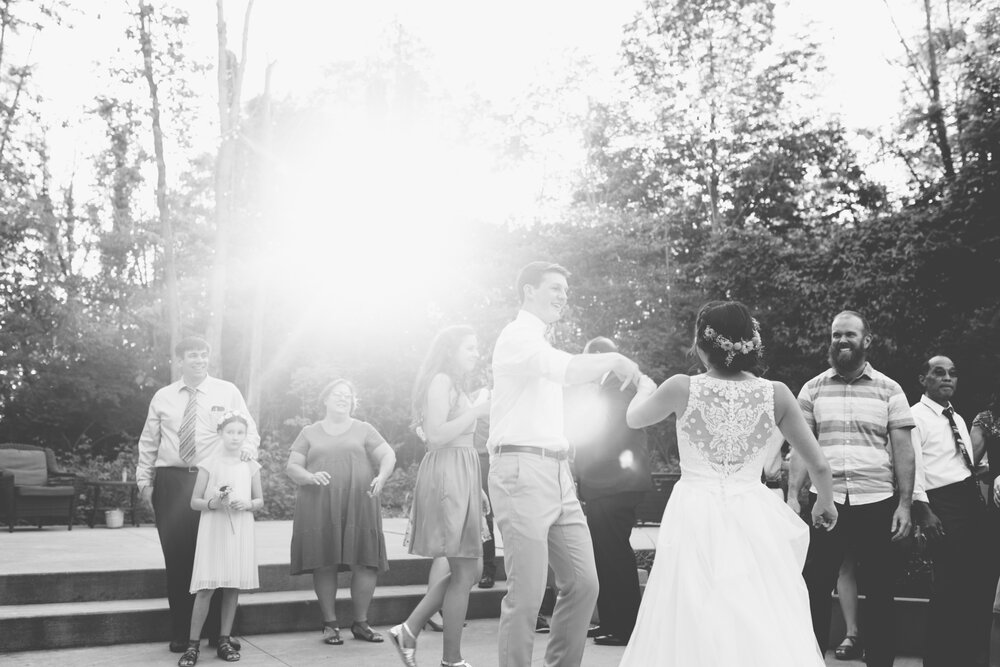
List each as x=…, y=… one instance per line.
x=726, y=588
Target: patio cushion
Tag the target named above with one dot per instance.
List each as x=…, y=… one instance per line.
x=44, y=490
x=27, y=466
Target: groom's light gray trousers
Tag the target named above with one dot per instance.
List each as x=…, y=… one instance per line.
x=541, y=523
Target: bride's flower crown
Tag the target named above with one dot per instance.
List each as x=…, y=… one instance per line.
x=733, y=348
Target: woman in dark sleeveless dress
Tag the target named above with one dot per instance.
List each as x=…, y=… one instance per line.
x=448, y=498
x=337, y=523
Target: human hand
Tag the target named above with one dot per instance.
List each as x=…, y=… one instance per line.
x=321, y=478
x=930, y=525
x=996, y=490
x=487, y=507
x=246, y=453
x=901, y=524
x=240, y=504
x=824, y=516
x=627, y=371
x=147, y=498
x=793, y=504
x=376, y=486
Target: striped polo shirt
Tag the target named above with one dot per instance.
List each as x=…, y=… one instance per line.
x=852, y=420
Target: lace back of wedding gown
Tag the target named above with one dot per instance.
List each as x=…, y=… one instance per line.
x=726, y=587
x=724, y=431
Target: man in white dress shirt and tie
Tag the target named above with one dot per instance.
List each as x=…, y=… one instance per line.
x=531, y=485
x=952, y=515
x=179, y=433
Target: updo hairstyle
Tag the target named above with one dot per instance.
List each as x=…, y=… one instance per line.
x=729, y=336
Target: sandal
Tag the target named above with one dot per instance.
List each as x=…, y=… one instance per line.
x=331, y=635
x=849, y=649
x=407, y=655
x=460, y=663
x=366, y=633
x=226, y=650
x=190, y=657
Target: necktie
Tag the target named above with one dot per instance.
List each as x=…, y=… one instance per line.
x=949, y=412
x=186, y=435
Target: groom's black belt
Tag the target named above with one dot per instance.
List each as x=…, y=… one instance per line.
x=558, y=455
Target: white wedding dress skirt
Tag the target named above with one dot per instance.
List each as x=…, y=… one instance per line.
x=726, y=588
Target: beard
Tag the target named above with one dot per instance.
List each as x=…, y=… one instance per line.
x=844, y=363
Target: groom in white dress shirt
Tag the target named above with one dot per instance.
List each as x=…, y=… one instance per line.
x=531, y=485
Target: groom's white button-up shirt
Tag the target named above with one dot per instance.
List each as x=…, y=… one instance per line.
x=528, y=378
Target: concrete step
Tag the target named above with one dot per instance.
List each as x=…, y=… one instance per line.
x=57, y=587
x=27, y=627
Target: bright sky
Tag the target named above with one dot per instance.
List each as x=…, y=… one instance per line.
x=496, y=51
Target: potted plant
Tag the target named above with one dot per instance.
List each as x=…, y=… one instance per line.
x=114, y=518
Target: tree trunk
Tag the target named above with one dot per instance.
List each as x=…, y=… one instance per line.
x=170, y=294
x=935, y=113
x=230, y=79
x=713, y=147
x=255, y=373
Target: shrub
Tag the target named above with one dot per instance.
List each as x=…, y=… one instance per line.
x=86, y=463
x=278, y=490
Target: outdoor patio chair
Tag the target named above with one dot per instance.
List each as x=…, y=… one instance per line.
x=32, y=488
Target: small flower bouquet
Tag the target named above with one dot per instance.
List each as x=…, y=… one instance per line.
x=224, y=492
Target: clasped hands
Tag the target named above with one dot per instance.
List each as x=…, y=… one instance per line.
x=322, y=478
x=822, y=517
x=224, y=499
x=628, y=372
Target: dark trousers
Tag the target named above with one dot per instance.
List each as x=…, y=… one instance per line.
x=960, y=612
x=864, y=530
x=489, y=546
x=993, y=574
x=177, y=525
x=610, y=520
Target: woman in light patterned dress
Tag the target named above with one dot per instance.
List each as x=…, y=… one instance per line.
x=448, y=514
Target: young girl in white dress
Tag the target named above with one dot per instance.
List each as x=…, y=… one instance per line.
x=726, y=587
x=227, y=493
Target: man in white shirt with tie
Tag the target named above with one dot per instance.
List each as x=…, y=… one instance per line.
x=952, y=516
x=531, y=485
x=180, y=432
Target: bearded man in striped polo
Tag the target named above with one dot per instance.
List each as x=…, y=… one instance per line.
x=862, y=421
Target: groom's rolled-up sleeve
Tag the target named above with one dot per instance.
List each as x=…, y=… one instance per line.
x=530, y=355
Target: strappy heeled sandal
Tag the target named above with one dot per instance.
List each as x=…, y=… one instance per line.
x=849, y=649
x=406, y=654
x=460, y=663
x=227, y=651
x=366, y=633
x=331, y=635
x=190, y=657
